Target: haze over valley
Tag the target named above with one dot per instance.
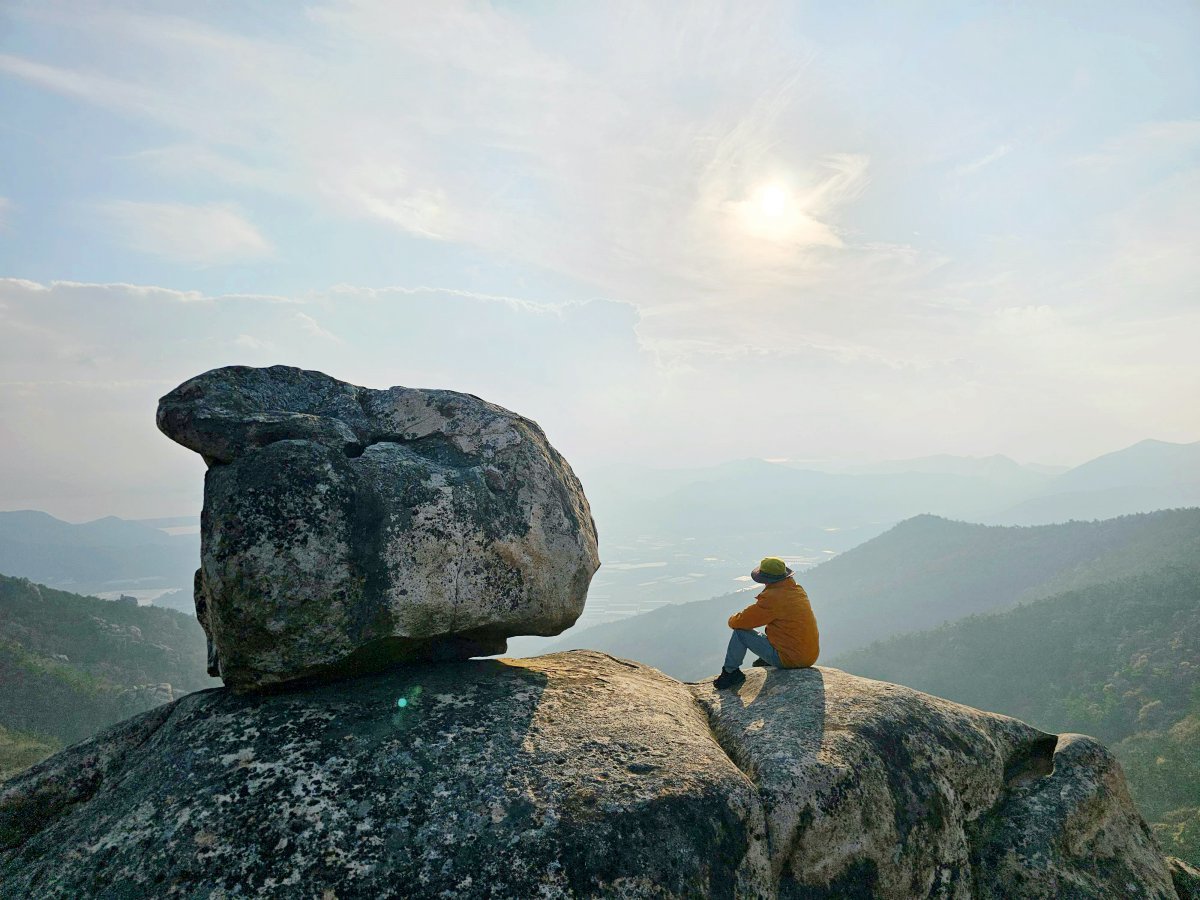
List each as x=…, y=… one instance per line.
x=677, y=535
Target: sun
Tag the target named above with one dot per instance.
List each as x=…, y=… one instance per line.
x=773, y=201
x=776, y=212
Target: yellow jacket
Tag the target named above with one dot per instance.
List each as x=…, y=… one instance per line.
x=791, y=626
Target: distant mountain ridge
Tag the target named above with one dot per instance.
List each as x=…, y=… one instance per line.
x=1145, y=476
x=108, y=554
x=1149, y=475
x=1146, y=462
x=702, y=528
x=925, y=571
x=946, y=464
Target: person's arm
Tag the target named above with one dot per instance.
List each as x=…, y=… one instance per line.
x=752, y=616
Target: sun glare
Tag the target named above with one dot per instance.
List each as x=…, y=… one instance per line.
x=773, y=201
x=773, y=212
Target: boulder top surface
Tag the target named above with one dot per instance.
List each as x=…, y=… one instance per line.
x=227, y=412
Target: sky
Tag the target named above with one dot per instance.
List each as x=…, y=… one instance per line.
x=674, y=234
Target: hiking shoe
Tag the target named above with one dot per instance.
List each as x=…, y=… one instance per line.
x=761, y=663
x=729, y=679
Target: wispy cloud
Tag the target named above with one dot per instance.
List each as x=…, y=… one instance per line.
x=206, y=234
x=6, y=207
x=250, y=342
x=1157, y=144
x=313, y=327
x=119, y=290
x=987, y=159
x=356, y=292
x=965, y=379
x=928, y=233
x=192, y=163
x=91, y=86
x=624, y=181
x=86, y=384
x=57, y=338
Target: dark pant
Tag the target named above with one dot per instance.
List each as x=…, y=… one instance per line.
x=744, y=639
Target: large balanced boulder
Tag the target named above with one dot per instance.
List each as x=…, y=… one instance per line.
x=576, y=775
x=345, y=527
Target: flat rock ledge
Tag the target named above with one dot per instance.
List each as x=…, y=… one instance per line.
x=577, y=775
x=345, y=528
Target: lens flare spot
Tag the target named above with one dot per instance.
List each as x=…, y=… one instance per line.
x=402, y=702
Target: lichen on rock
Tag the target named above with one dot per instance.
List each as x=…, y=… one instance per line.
x=344, y=528
x=568, y=775
x=577, y=775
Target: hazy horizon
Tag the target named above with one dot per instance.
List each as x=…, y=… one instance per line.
x=673, y=237
x=833, y=465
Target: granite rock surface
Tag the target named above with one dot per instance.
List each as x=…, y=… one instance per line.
x=871, y=789
x=344, y=528
x=576, y=775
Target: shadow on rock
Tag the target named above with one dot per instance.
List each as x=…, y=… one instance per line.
x=806, y=697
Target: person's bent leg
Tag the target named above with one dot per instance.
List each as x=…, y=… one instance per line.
x=731, y=672
x=736, y=652
x=761, y=647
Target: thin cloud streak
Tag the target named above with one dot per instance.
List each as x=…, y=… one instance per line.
x=974, y=166
x=313, y=327
x=206, y=234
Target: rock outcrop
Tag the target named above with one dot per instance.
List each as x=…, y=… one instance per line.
x=872, y=789
x=576, y=775
x=345, y=527
x=1186, y=878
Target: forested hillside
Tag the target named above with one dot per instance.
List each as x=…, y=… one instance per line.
x=1119, y=660
x=71, y=665
x=922, y=573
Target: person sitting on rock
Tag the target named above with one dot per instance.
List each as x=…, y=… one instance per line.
x=791, y=641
